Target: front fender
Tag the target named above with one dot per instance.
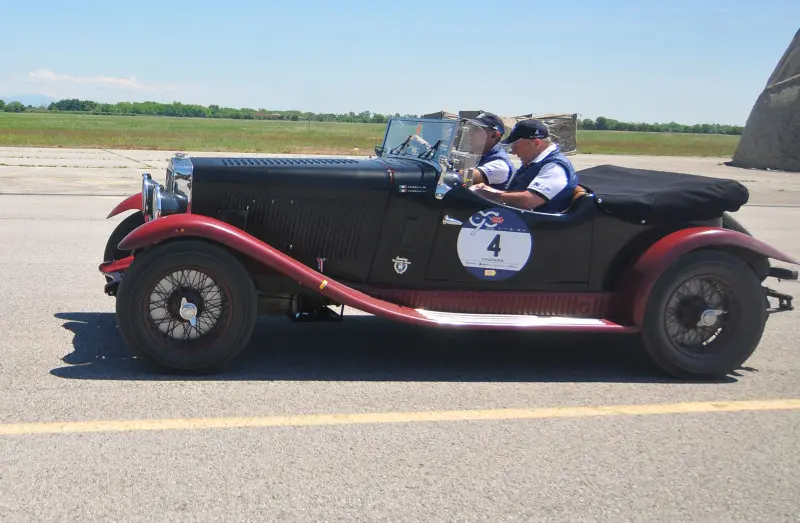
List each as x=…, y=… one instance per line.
x=130, y=203
x=198, y=226
x=649, y=266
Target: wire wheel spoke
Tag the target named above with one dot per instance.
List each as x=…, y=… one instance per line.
x=187, y=304
x=697, y=314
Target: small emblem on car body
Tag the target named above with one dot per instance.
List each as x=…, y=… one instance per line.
x=401, y=265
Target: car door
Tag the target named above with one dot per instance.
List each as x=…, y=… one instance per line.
x=483, y=244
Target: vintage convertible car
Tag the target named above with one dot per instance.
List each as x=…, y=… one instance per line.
x=401, y=236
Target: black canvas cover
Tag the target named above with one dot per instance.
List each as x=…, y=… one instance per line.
x=656, y=197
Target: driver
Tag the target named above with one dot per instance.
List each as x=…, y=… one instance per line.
x=545, y=181
x=494, y=166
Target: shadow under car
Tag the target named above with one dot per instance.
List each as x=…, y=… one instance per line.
x=366, y=348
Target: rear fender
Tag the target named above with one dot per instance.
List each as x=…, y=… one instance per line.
x=130, y=203
x=640, y=279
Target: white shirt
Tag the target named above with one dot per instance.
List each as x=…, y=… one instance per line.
x=551, y=180
x=496, y=171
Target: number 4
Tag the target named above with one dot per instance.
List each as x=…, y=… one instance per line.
x=495, y=246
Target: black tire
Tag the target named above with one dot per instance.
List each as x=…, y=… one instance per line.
x=122, y=230
x=729, y=222
x=187, y=269
x=721, y=275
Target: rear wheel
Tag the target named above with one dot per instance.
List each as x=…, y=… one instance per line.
x=188, y=306
x=705, y=316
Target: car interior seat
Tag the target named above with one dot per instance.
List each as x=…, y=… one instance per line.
x=577, y=194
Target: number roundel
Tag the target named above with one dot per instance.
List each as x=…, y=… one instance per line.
x=494, y=244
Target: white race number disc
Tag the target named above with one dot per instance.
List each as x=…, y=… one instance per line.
x=494, y=244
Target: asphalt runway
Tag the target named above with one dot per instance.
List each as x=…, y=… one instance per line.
x=365, y=420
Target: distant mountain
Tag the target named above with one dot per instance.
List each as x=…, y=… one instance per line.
x=34, y=100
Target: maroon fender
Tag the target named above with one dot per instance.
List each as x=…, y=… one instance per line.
x=649, y=267
x=197, y=226
x=193, y=225
x=116, y=265
x=130, y=203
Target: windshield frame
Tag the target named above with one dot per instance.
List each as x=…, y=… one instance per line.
x=442, y=152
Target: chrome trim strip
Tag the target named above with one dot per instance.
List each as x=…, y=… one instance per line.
x=156, y=203
x=455, y=318
x=148, y=186
x=182, y=175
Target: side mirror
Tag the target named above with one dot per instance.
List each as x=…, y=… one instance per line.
x=379, y=150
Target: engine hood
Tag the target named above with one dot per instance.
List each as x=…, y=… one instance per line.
x=314, y=207
x=364, y=173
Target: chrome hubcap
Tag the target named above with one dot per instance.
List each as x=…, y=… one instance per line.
x=188, y=312
x=709, y=317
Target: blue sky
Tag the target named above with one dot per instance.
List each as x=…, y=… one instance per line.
x=690, y=61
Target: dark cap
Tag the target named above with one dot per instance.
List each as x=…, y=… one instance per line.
x=527, y=129
x=492, y=121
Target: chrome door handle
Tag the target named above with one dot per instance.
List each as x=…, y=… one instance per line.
x=450, y=221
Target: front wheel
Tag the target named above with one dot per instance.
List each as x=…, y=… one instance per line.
x=705, y=316
x=125, y=227
x=187, y=306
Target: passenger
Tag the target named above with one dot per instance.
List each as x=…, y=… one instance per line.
x=545, y=181
x=494, y=166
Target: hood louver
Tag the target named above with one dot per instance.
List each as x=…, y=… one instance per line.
x=280, y=162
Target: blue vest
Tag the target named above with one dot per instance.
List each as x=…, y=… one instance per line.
x=497, y=153
x=525, y=175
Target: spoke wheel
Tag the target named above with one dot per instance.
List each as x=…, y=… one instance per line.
x=696, y=315
x=704, y=316
x=187, y=306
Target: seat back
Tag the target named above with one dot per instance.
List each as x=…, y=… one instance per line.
x=576, y=195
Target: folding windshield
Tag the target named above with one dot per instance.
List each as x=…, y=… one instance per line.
x=419, y=137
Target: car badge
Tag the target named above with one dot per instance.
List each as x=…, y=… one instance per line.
x=401, y=265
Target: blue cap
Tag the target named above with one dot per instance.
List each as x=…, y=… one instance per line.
x=528, y=129
x=492, y=121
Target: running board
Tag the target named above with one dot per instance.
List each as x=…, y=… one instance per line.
x=521, y=321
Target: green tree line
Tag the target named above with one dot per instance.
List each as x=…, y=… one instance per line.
x=607, y=124
x=211, y=111
x=215, y=111
x=13, y=107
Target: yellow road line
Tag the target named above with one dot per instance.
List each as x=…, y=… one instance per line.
x=69, y=427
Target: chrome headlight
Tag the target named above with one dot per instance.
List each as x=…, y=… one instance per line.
x=157, y=202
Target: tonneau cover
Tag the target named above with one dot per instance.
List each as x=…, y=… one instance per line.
x=656, y=197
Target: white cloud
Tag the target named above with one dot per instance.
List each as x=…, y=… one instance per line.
x=126, y=84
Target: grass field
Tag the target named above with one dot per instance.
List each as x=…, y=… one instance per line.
x=196, y=134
